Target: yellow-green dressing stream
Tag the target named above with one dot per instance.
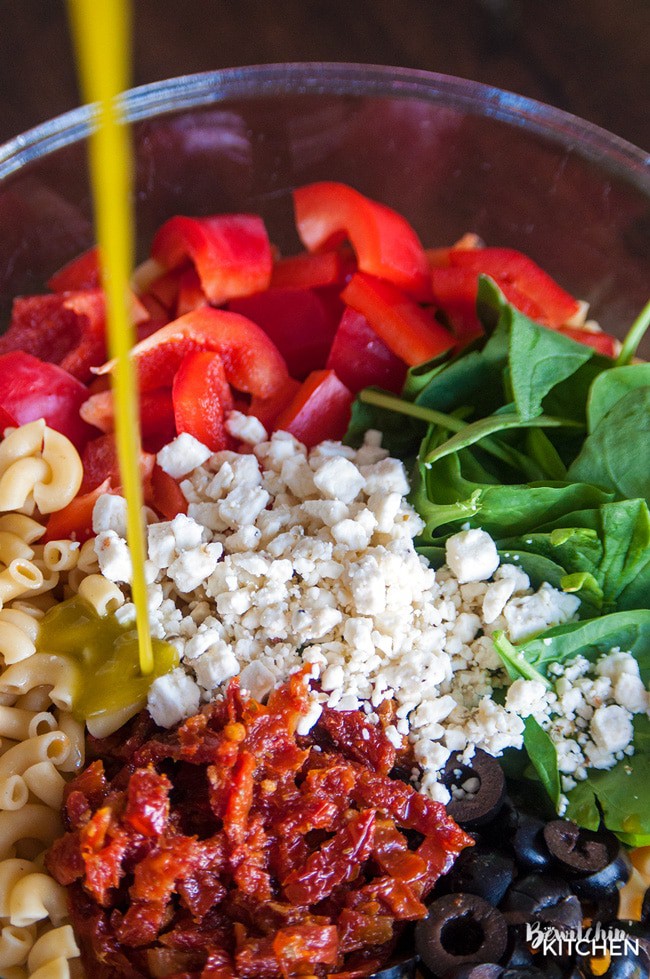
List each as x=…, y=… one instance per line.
x=107, y=655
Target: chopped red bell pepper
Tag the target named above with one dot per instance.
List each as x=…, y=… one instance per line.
x=320, y=409
x=83, y=272
x=602, y=342
x=268, y=409
x=67, y=329
x=299, y=322
x=75, y=521
x=312, y=269
x=231, y=252
x=165, y=495
x=100, y=463
x=384, y=242
x=361, y=359
x=519, y=277
x=201, y=396
x=406, y=328
x=164, y=289
x=31, y=388
x=157, y=423
x=190, y=292
x=251, y=361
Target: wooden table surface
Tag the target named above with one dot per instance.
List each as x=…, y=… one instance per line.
x=590, y=57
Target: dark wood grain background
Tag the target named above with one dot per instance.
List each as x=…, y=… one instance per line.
x=590, y=57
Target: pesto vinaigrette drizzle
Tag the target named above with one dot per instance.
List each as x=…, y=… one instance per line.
x=101, y=33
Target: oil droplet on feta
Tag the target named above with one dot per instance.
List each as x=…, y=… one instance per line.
x=107, y=654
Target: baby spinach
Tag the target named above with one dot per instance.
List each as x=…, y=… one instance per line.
x=614, y=454
x=539, y=360
x=621, y=794
x=591, y=638
x=610, y=386
x=543, y=757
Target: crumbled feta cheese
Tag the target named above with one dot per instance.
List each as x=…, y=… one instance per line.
x=472, y=555
x=173, y=697
x=339, y=479
x=611, y=728
x=109, y=513
x=246, y=428
x=182, y=455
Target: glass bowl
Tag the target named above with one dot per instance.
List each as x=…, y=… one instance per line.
x=451, y=155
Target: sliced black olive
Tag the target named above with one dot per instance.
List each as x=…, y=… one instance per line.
x=460, y=929
x=540, y=897
x=530, y=846
x=481, y=970
x=481, y=870
x=503, y=826
x=483, y=805
x=517, y=951
x=406, y=969
x=633, y=964
x=645, y=908
x=597, y=861
x=524, y=972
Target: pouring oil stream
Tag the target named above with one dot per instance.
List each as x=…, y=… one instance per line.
x=101, y=33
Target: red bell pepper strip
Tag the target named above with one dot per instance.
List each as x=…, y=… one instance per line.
x=100, y=463
x=251, y=361
x=75, y=521
x=157, y=424
x=384, y=242
x=310, y=270
x=83, y=272
x=268, y=409
x=409, y=331
x=201, y=396
x=165, y=495
x=602, y=342
x=231, y=252
x=511, y=268
x=320, y=409
x=67, y=329
x=190, y=292
x=360, y=359
x=299, y=322
x=31, y=388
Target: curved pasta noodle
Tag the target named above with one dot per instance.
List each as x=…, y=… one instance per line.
x=88, y=560
x=53, y=746
x=15, y=945
x=11, y=871
x=17, y=635
x=65, y=473
x=33, y=821
x=45, y=781
x=101, y=725
x=35, y=897
x=61, y=555
x=13, y=546
x=43, y=669
x=36, y=699
x=18, y=482
x=14, y=792
x=59, y=943
x=103, y=595
x=22, y=526
x=75, y=732
x=19, y=577
x=27, y=440
x=50, y=578
x=19, y=724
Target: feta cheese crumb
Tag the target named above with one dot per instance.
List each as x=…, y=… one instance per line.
x=472, y=555
x=182, y=455
x=173, y=697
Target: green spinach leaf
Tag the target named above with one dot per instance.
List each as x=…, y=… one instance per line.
x=622, y=793
x=615, y=454
x=610, y=386
x=543, y=756
x=539, y=360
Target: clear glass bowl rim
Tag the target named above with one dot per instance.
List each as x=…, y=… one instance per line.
x=610, y=152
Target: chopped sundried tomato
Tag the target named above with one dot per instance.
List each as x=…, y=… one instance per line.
x=147, y=807
x=248, y=850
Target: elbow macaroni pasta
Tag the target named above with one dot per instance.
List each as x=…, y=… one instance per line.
x=41, y=744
